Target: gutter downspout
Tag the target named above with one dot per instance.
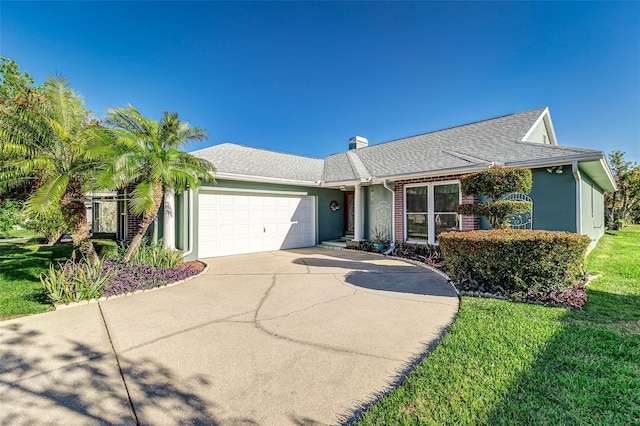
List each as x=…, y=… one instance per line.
x=385, y=183
x=576, y=175
x=188, y=252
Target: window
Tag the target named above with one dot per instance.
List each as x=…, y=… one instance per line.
x=445, y=201
x=431, y=209
x=417, y=200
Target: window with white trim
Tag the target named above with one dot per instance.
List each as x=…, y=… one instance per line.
x=417, y=204
x=430, y=209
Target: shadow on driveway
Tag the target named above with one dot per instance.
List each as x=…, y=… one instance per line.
x=394, y=275
x=71, y=382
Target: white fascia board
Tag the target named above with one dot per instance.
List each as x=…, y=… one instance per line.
x=535, y=124
x=261, y=179
x=555, y=161
x=607, y=170
x=551, y=130
x=343, y=183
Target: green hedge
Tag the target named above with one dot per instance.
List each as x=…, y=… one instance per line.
x=496, y=181
x=516, y=260
x=497, y=212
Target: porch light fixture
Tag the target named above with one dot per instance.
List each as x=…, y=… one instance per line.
x=555, y=169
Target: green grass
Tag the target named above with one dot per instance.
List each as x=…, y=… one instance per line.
x=18, y=233
x=21, y=263
x=505, y=363
x=21, y=292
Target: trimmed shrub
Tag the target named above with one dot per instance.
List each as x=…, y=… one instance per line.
x=515, y=260
x=497, y=212
x=495, y=183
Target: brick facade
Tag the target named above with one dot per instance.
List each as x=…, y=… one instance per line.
x=127, y=223
x=468, y=222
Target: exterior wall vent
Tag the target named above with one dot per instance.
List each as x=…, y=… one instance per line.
x=358, y=142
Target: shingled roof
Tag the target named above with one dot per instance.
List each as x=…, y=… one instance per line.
x=232, y=159
x=497, y=140
x=476, y=145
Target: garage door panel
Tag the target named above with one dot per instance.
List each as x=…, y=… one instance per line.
x=225, y=215
x=239, y=223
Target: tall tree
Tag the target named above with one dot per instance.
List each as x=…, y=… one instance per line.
x=147, y=153
x=13, y=82
x=622, y=202
x=44, y=136
x=17, y=90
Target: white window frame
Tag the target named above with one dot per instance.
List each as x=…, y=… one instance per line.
x=431, y=225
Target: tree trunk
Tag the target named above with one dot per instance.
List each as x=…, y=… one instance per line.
x=52, y=239
x=147, y=219
x=75, y=214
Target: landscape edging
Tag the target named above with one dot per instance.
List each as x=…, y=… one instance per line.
x=60, y=306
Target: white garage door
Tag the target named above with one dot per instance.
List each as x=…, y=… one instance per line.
x=248, y=223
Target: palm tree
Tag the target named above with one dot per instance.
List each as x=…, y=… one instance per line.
x=147, y=153
x=44, y=137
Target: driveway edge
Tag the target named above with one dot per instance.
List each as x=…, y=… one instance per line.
x=355, y=414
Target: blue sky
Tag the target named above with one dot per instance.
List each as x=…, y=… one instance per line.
x=304, y=77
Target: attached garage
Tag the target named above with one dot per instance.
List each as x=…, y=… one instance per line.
x=236, y=223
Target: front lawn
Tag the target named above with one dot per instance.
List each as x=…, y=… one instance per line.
x=22, y=264
x=18, y=233
x=506, y=363
x=21, y=292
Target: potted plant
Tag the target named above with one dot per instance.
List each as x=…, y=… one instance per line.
x=379, y=239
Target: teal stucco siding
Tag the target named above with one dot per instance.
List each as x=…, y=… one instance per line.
x=554, y=200
x=592, y=211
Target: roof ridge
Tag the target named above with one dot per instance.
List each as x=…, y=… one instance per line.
x=572, y=148
x=454, y=127
x=356, y=162
x=260, y=149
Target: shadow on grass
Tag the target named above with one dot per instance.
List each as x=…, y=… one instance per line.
x=26, y=263
x=588, y=373
x=66, y=381
x=39, y=296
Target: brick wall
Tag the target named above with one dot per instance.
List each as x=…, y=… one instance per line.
x=468, y=222
x=131, y=221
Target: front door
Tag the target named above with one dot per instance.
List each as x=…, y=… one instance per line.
x=349, y=213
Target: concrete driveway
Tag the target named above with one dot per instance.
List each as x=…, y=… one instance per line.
x=289, y=337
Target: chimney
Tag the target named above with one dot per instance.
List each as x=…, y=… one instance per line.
x=358, y=142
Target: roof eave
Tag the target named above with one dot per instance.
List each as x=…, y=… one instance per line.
x=555, y=161
x=265, y=179
x=435, y=173
x=340, y=183
x=606, y=180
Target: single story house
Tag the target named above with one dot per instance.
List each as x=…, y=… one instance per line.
x=406, y=189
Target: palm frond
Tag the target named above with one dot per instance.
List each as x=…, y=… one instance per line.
x=49, y=193
x=143, y=197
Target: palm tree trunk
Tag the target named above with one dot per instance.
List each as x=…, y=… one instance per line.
x=75, y=214
x=147, y=219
